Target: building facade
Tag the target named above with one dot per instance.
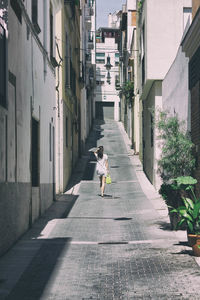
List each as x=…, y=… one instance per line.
x=175, y=90
x=68, y=95
x=88, y=68
x=191, y=47
x=27, y=114
x=129, y=108
x=158, y=42
x=106, y=105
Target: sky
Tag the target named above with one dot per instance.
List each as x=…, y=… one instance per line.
x=104, y=7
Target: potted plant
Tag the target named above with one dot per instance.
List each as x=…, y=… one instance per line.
x=171, y=195
x=127, y=89
x=176, y=159
x=189, y=212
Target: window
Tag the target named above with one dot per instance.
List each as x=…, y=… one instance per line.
x=152, y=131
x=2, y=66
x=117, y=83
x=100, y=54
x=99, y=82
x=187, y=16
x=17, y=9
x=66, y=132
x=72, y=78
x=35, y=153
x=51, y=31
x=50, y=142
x=143, y=70
x=90, y=37
x=100, y=61
x=116, y=59
x=35, y=16
x=67, y=82
x=100, y=58
x=91, y=3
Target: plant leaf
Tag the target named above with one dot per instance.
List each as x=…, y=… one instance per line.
x=180, y=223
x=189, y=202
x=196, y=210
x=184, y=214
x=190, y=226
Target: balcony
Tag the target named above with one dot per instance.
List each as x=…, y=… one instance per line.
x=91, y=11
x=91, y=3
x=88, y=59
x=88, y=14
x=90, y=42
x=88, y=22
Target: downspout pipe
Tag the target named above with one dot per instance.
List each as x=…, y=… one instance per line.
x=58, y=108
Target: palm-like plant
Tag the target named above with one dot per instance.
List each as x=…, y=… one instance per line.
x=189, y=212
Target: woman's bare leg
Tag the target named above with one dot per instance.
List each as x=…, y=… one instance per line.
x=103, y=180
x=100, y=179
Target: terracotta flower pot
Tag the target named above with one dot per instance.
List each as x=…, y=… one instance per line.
x=191, y=239
x=196, y=247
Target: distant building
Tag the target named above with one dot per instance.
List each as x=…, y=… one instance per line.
x=106, y=105
x=68, y=132
x=88, y=67
x=128, y=51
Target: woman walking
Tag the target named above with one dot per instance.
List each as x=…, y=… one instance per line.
x=102, y=167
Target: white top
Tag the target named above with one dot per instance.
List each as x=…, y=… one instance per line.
x=101, y=165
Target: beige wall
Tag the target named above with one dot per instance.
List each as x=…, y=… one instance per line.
x=133, y=16
x=195, y=7
x=151, y=144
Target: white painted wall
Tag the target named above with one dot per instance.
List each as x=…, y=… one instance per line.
x=131, y=4
x=107, y=92
x=164, y=22
x=164, y=26
x=175, y=89
x=33, y=96
x=152, y=151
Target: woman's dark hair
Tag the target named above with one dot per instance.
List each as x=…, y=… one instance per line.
x=100, y=152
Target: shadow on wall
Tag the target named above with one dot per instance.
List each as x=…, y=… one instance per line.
x=86, y=165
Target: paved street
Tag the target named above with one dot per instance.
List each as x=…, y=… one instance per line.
x=116, y=247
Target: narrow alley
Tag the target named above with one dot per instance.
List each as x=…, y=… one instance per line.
x=116, y=247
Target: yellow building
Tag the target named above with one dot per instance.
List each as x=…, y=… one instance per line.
x=68, y=92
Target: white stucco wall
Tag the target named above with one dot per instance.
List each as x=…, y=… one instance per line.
x=131, y=4
x=175, y=90
x=31, y=93
x=107, y=92
x=152, y=151
x=163, y=22
x=164, y=26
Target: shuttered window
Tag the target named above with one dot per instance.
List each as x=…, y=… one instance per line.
x=2, y=66
x=35, y=16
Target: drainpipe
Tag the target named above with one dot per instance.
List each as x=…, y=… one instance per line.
x=58, y=110
x=45, y=35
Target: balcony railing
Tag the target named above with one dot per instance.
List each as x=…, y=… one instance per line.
x=90, y=41
x=91, y=11
x=91, y=3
